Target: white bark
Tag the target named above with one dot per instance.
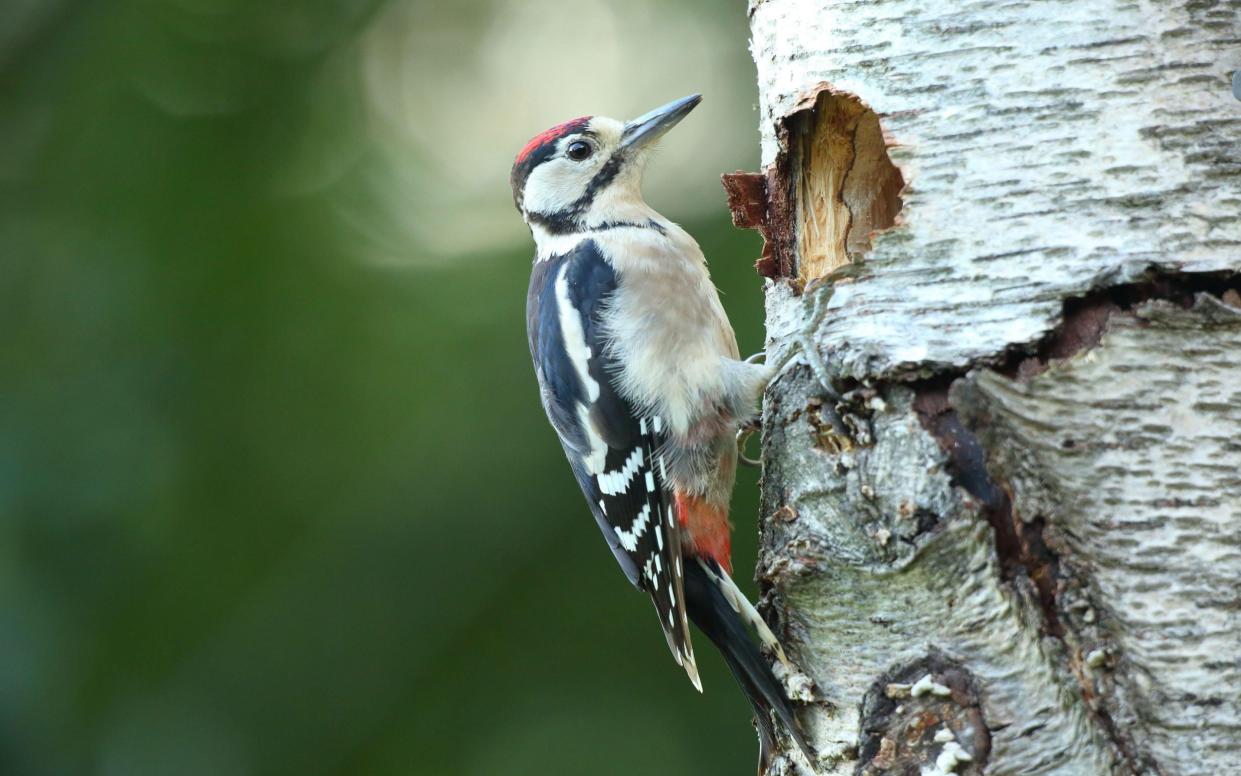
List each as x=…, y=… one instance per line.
x=1030, y=491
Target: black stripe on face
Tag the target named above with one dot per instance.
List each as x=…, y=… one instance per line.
x=607, y=173
x=564, y=223
x=560, y=222
x=568, y=220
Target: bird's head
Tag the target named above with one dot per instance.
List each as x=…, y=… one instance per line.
x=588, y=171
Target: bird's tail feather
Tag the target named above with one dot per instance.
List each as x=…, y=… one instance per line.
x=709, y=606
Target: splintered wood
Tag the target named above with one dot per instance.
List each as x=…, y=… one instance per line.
x=847, y=187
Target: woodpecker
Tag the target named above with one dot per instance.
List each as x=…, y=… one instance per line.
x=639, y=374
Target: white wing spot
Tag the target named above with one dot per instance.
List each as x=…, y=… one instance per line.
x=629, y=539
x=650, y=482
x=659, y=424
x=612, y=483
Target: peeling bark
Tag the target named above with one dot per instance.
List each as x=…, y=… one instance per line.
x=1007, y=540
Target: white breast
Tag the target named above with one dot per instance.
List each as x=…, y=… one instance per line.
x=666, y=324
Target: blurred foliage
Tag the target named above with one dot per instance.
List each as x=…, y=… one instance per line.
x=276, y=492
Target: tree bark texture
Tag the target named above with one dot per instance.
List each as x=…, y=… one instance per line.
x=1005, y=538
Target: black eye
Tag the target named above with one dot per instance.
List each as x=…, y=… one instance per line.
x=579, y=150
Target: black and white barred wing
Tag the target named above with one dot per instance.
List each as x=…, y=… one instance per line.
x=632, y=492
x=612, y=448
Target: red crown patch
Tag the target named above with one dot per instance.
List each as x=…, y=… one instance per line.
x=551, y=135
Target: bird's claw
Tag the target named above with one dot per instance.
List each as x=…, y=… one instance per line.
x=804, y=343
x=743, y=435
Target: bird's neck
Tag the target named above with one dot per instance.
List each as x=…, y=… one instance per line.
x=558, y=233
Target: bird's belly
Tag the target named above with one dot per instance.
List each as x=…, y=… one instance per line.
x=671, y=345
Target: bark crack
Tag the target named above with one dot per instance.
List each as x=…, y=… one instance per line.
x=1021, y=543
x=1084, y=319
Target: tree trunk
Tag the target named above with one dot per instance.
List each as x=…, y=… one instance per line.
x=1005, y=537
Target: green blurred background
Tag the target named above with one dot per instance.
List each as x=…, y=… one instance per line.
x=276, y=492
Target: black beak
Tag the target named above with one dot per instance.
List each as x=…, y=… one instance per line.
x=647, y=128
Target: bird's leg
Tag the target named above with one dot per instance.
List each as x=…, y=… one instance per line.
x=803, y=344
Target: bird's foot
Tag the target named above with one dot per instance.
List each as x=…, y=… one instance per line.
x=743, y=435
x=804, y=345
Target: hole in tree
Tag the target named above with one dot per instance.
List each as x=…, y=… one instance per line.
x=846, y=186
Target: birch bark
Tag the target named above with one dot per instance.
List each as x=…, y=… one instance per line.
x=1006, y=538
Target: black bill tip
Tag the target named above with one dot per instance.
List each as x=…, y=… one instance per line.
x=649, y=127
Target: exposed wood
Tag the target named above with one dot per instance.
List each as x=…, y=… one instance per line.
x=847, y=187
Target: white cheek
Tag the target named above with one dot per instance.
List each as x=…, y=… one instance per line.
x=555, y=185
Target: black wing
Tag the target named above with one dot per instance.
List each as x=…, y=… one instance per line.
x=612, y=447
